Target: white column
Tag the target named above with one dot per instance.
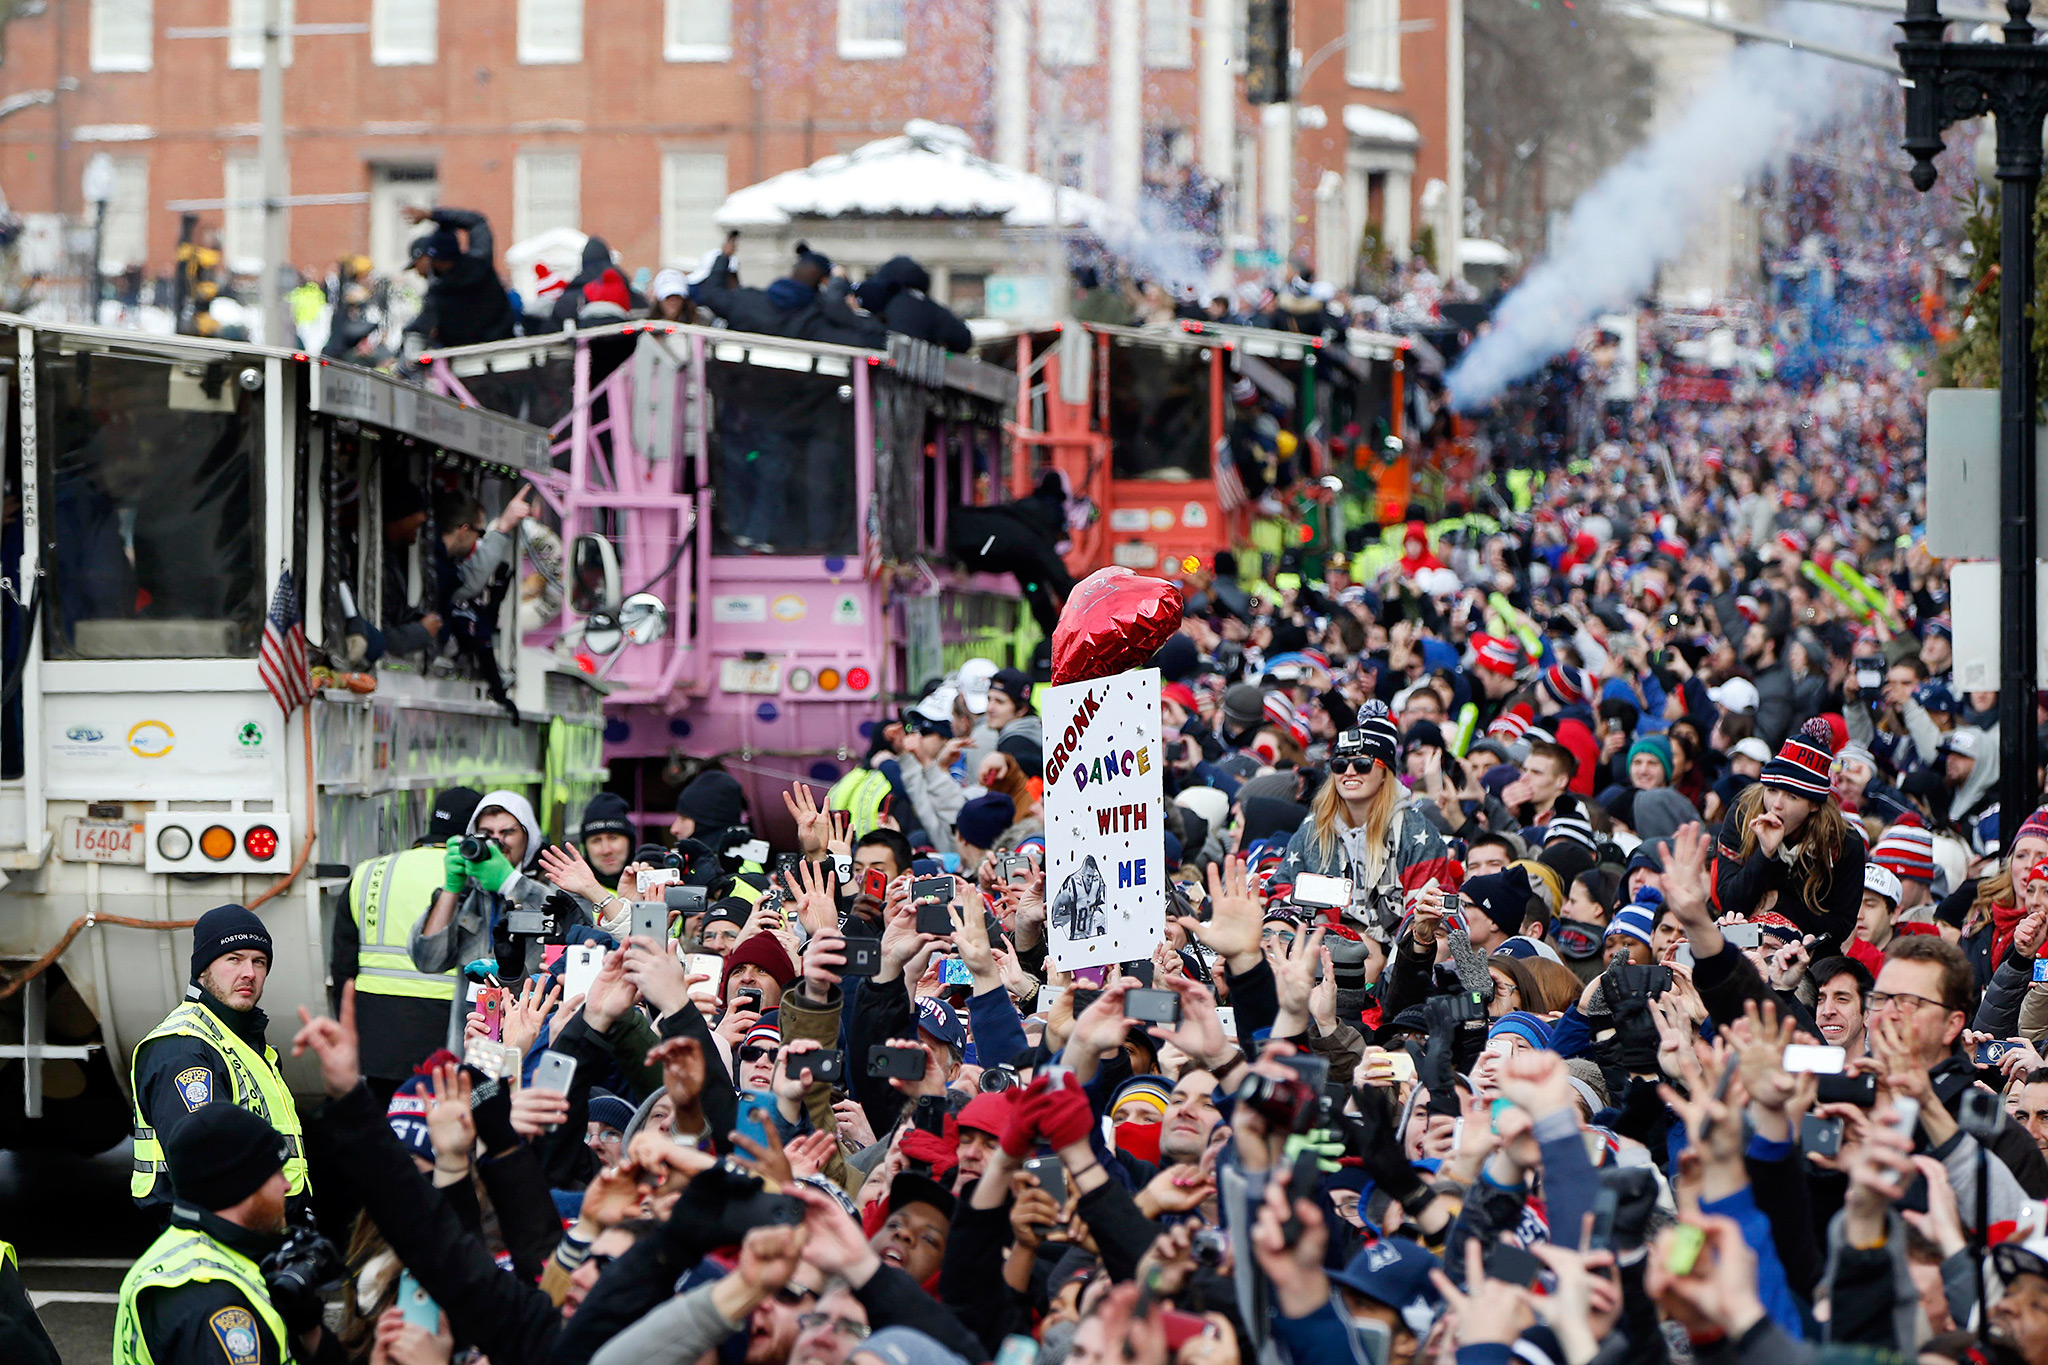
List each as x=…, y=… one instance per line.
x=1398, y=200
x=1276, y=200
x=1334, y=259
x=1126, y=103
x=277, y=329
x=1219, y=93
x=1454, y=119
x=1013, y=84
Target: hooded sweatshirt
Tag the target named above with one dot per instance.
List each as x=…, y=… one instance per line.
x=480, y=929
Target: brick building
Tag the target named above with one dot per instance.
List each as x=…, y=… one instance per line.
x=634, y=118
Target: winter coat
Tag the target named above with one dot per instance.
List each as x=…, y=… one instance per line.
x=897, y=294
x=787, y=308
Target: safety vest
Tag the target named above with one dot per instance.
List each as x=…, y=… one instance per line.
x=860, y=793
x=387, y=896
x=187, y=1256
x=258, y=1088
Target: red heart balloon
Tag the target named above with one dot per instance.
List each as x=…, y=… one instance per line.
x=1114, y=620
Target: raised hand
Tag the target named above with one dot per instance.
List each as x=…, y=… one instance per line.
x=333, y=1041
x=1199, y=1033
x=563, y=865
x=536, y=1111
x=527, y=1014
x=811, y=892
x=1685, y=877
x=1232, y=928
x=1760, y=1052
x=611, y=994
x=813, y=829
x=682, y=1070
x=449, y=1124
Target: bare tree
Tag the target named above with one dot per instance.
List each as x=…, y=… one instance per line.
x=1555, y=92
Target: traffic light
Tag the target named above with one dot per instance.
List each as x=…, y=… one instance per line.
x=1267, y=49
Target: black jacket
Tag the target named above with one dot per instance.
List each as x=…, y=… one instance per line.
x=468, y=303
x=897, y=293
x=787, y=309
x=2011, y=1144
x=193, y=1324
x=1740, y=885
x=22, y=1337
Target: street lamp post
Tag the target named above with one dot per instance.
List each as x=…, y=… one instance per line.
x=96, y=184
x=1946, y=83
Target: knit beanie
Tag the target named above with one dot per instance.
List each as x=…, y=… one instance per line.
x=226, y=929
x=222, y=1154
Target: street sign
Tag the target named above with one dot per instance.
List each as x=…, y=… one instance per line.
x=1962, y=474
x=1019, y=298
x=1974, y=611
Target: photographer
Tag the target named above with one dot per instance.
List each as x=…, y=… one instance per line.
x=199, y=1294
x=493, y=915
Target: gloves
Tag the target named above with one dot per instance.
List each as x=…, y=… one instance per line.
x=696, y=1225
x=1469, y=963
x=933, y=1149
x=1022, y=1130
x=491, y=1111
x=1379, y=1146
x=457, y=866
x=1634, y=1044
x=493, y=872
x=1064, y=1116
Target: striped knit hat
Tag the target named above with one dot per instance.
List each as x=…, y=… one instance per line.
x=1570, y=827
x=1496, y=655
x=1281, y=716
x=1565, y=684
x=1633, y=921
x=1510, y=726
x=1802, y=765
x=1907, y=852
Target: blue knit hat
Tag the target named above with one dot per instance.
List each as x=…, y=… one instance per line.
x=1523, y=1025
x=1633, y=921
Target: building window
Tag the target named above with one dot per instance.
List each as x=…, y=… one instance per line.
x=1374, y=57
x=697, y=31
x=125, y=242
x=1168, y=34
x=241, y=230
x=1066, y=32
x=550, y=32
x=123, y=33
x=870, y=29
x=405, y=32
x=692, y=188
x=547, y=192
x=245, y=43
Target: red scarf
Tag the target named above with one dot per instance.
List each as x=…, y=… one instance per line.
x=2004, y=919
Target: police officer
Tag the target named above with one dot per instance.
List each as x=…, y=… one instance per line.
x=199, y=1293
x=404, y=1013
x=22, y=1337
x=211, y=1048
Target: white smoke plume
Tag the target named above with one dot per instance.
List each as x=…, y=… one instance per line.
x=1640, y=214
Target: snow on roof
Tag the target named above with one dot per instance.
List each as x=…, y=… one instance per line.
x=930, y=170
x=1480, y=251
x=1378, y=125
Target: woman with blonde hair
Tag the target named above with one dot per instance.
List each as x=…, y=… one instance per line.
x=1787, y=847
x=1362, y=828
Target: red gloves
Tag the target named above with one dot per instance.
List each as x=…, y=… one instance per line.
x=939, y=1151
x=1064, y=1116
x=1022, y=1130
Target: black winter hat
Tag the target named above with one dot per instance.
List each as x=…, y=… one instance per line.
x=222, y=1154
x=223, y=930
x=713, y=799
x=1502, y=897
x=607, y=813
x=452, y=810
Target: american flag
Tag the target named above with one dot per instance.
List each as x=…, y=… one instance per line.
x=1230, y=493
x=282, y=659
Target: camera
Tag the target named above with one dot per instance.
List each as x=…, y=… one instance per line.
x=529, y=923
x=1289, y=1106
x=305, y=1265
x=997, y=1078
x=1209, y=1247
x=690, y=900
x=474, y=848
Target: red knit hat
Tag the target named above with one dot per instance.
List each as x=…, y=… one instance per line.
x=1804, y=763
x=762, y=950
x=1496, y=655
x=609, y=287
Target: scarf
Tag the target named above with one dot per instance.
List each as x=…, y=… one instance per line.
x=2004, y=919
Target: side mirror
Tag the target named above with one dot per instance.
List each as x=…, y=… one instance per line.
x=593, y=576
x=644, y=618
x=601, y=633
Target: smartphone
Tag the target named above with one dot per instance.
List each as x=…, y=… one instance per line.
x=1859, y=1090
x=752, y=1122
x=928, y=1114
x=580, y=968
x=1322, y=893
x=1742, y=935
x=1683, y=956
x=1908, y=1116
x=1512, y=1265
x=418, y=1309
x=826, y=1064
x=892, y=1062
x=1181, y=1327
x=2041, y=969
x=1403, y=1065
x=1980, y=1114
x=650, y=921
x=863, y=957
x=934, y=918
x=1152, y=1006
x=1052, y=1177
x=1870, y=673
x=1819, y=1136
x=648, y=881
x=709, y=966
x=1991, y=1052
x=754, y=851
x=1825, y=1061
x=1605, y=1204
x=1226, y=1015
x=1687, y=1241
x=554, y=1073
x=747, y=998
x=1314, y=1070
x=685, y=900
x=490, y=1002
x=874, y=884
x=1376, y=1338
x=953, y=972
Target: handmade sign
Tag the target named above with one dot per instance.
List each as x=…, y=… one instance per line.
x=1105, y=837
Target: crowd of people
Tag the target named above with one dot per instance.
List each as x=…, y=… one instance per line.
x=1677, y=997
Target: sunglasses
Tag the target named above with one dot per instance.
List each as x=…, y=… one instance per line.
x=1340, y=766
x=795, y=1295
x=759, y=1052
